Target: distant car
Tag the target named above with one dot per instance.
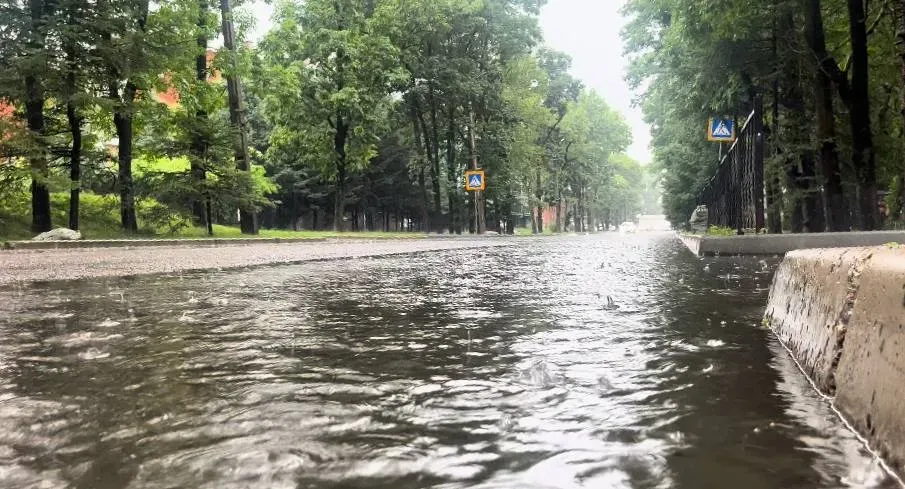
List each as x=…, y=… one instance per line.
x=627, y=228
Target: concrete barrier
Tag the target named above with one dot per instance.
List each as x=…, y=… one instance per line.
x=842, y=314
x=779, y=244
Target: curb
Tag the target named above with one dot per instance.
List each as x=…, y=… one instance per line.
x=780, y=244
x=839, y=312
x=146, y=243
x=214, y=242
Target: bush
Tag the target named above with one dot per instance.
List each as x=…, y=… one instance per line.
x=160, y=218
x=721, y=231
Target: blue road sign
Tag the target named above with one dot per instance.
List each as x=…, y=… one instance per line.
x=474, y=181
x=721, y=129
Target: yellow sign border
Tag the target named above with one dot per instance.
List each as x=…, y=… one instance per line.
x=483, y=186
x=713, y=139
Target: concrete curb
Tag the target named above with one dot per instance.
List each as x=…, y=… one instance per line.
x=20, y=267
x=193, y=243
x=138, y=243
x=218, y=242
x=780, y=244
x=841, y=312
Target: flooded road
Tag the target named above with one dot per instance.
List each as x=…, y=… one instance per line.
x=592, y=361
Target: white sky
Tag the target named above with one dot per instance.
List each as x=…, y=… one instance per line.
x=587, y=30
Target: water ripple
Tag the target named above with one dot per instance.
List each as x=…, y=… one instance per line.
x=584, y=362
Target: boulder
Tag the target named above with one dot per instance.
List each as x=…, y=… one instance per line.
x=59, y=234
x=699, y=219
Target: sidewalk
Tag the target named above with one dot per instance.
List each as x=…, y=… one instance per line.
x=17, y=266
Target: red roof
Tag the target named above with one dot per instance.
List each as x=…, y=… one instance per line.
x=171, y=97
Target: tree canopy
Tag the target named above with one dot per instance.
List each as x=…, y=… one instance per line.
x=830, y=75
x=348, y=114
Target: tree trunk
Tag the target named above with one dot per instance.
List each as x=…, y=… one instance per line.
x=124, y=106
x=799, y=160
x=539, y=222
x=198, y=172
x=580, y=212
x=75, y=162
x=452, y=174
x=837, y=215
x=75, y=122
x=34, y=114
x=420, y=145
x=40, y=195
x=339, y=147
x=899, y=9
x=772, y=175
x=813, y=206
x=209, y=217
x=122, y=120
x=435, y=157
x=863, y=156
x=433, y=164
x=248, y=221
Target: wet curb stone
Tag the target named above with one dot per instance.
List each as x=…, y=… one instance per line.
x=842, y=314
x=217, y=242
x=197, y=243
x=779, y=244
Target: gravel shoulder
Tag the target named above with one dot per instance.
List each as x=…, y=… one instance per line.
x=42, y=265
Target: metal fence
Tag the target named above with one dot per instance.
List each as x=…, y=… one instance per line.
x=734, y=196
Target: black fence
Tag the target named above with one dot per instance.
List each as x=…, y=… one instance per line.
x=734, y=196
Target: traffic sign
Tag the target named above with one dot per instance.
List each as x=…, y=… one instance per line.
x=721, y=129
x=475, y=181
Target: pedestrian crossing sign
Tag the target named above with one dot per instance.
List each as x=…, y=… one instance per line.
x=721, y=129
x=475, y=181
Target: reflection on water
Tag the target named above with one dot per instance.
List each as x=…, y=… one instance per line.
x=595, y=361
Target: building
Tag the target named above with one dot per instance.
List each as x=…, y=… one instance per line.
x=170, y=97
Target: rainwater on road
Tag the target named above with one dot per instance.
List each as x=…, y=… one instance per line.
x=589, y=361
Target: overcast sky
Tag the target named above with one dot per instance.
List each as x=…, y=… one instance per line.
x=588, y=30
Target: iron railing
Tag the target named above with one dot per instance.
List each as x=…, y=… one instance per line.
x=734, y=196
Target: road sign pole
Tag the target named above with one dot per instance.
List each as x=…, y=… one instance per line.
x=480, y=223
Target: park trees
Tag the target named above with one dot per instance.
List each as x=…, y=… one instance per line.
x=829, y=72
x=360, y=114
x=331, y=70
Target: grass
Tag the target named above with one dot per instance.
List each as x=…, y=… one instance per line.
x=99, y=219
x=721, y=231
x=234, y=232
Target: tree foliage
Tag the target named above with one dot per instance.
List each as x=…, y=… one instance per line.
x=360, y=114
x=830, y=75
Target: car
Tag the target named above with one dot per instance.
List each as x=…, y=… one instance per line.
x=627, y=228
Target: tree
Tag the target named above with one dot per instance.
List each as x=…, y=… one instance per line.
x=358, y=112
x=247, y=217
x=698, y=59
x=27, y=57
x=837, y=215
x=595, y=135
x=332, y=70
x=562, y=89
